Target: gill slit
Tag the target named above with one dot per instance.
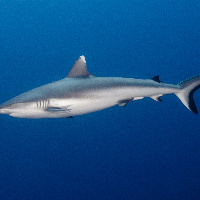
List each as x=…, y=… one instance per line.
x=43, y=104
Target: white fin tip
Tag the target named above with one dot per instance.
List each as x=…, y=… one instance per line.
x=83, y=58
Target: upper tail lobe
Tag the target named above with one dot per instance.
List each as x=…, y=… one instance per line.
x=189, y=86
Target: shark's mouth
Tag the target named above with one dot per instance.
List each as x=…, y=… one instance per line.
x=5, y=111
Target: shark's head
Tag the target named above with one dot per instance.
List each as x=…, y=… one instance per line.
x=17, y=109
x=35, y=109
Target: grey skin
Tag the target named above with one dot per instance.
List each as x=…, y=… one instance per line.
x=81, y=93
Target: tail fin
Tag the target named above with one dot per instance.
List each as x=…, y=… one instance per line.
x=189, y=86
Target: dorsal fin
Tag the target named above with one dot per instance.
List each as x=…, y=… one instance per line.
x=156, y=78
x=79, y=69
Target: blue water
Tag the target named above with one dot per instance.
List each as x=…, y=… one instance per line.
x=147, y=150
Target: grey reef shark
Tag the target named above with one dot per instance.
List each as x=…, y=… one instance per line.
x=81, y=93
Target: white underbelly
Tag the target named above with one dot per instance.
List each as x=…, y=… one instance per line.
x=63, y=108
x=83, y=106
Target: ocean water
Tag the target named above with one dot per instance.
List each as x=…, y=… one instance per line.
x=147, y=150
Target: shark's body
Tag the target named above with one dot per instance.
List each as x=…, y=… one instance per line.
x=81, y=93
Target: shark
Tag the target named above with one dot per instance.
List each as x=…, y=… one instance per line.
x=81, y=93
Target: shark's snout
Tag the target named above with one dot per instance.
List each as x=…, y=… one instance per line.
x=5, y=110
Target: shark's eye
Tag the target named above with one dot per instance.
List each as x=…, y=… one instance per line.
x=8, y=107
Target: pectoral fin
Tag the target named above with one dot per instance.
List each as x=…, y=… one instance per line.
x=57, y=109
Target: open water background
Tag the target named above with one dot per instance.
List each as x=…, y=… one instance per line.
x=147, y=150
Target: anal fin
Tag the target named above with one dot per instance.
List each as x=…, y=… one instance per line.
x=157, y=98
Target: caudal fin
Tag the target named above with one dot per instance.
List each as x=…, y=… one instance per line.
x=189, y=86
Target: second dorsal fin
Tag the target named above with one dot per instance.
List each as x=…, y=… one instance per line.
x=156, y=78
